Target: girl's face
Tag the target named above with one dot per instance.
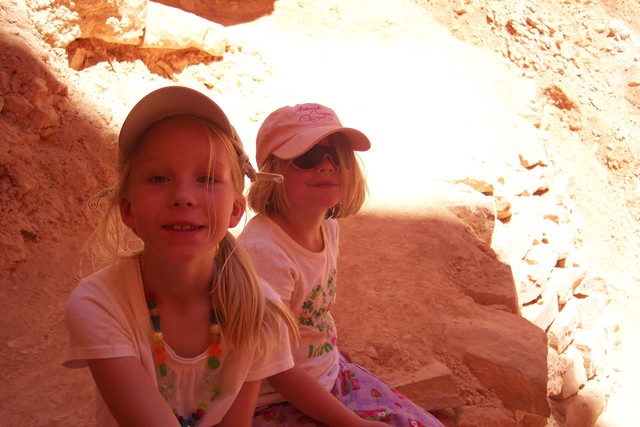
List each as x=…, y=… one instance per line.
x=181, y=198
x=317, y=189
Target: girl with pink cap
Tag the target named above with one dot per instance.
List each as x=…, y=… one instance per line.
x=293, y=239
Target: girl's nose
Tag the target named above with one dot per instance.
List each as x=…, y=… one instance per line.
x=182, y=203
x=183, y=195
x=326, y=164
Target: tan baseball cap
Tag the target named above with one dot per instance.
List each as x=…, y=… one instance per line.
x=176, y=100
x=290, y=131
x=165, y=102
x=171, y=101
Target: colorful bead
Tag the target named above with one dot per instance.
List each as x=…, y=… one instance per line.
x=213, y=363
x=150, y=299
x=159, y=356
x=214, y=329
x=155, y=321
x=214, y=351
x=213, y=388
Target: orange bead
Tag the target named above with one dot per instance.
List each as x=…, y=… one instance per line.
x=214, y=350
x=160, y=358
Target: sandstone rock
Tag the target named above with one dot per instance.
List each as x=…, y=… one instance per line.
x=543, y=311
x=501, y=291
x=473, y=416
x=592, y=284
x=508, y=355
x=475, y=210
x=583, y=409
x=565, y=280
x=593, y=344
x=61, y=22
x=563, y=328
x=555, y=370
x=171, y=28
x=121, y=22
x=528, y=289
x=575, y=375
x=432, y=388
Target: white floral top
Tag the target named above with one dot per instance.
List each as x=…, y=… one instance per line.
x=307, y=282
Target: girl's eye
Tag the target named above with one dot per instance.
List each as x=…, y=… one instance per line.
x=207, y=179
x=157, y=179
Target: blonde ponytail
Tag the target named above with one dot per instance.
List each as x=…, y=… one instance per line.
x=248, y=319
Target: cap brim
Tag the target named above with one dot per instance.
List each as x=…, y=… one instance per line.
x=166, y=102
x=303, y=141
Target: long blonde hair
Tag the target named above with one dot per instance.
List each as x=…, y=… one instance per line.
x=247, y=318
x=269, y=198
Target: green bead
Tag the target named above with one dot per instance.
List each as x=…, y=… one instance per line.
x=213, y=363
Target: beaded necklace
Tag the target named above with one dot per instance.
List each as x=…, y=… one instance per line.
x=165, y=376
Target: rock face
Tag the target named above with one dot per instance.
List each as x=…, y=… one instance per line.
x=132, y=22
x=170, y=28
x=477, y=303
x=60, y=22
x=548, y=285
x=508, y=355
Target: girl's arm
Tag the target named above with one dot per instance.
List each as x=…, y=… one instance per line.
x=310, y=397
x=241, y=412
x=130, y=395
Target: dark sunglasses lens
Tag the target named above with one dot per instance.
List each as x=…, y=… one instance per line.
x=309, y=160
x=312, y=158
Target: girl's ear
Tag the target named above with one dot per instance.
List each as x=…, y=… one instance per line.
x=239, y=207
x=126, y=214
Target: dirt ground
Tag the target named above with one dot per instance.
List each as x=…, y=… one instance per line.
x=443, y=88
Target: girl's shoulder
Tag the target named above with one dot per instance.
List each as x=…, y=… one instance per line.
x=269, y=291
x=261, y=230
x=113, y=281
x=332, y=224
x=122, y=268
x=332, y=228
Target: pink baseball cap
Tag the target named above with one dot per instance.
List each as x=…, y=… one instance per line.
x=290, y=131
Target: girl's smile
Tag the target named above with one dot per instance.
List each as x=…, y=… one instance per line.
x=315, y=189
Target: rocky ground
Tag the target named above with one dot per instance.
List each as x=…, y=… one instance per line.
x=444, y=89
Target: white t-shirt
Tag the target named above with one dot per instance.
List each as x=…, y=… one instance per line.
x=107, y=317
x=307, y=282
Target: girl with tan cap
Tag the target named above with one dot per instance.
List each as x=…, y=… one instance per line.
x=177, y=330
x=293, y=240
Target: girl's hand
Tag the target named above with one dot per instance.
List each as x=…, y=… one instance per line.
x=310, y=397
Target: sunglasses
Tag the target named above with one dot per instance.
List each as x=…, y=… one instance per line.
x=315, y=155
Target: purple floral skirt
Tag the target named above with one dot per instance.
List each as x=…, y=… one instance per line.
x=363, y=393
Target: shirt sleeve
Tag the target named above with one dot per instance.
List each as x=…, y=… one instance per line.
x=95, y=326
x=280, y=358
x=275, y=266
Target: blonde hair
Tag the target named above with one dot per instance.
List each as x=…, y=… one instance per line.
x=247, y=318
x=269, y=198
